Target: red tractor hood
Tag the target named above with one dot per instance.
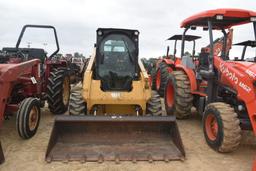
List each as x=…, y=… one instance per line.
x=4, y=67
x=246, y=67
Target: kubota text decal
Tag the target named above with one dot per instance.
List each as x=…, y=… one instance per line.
x=232, y=76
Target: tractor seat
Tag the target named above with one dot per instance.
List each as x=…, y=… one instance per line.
x=204, y=61
x=188, y=62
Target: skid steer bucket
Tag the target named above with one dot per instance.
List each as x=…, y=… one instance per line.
x=116, y=138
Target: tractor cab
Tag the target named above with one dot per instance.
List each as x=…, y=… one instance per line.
x=220, y=20
x=245, y=45
x=116, y=58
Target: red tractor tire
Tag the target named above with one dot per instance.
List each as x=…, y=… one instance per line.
x=161, y=78
x=221, y=127
x=178, y=98
x=28, y=117
x=58, y=91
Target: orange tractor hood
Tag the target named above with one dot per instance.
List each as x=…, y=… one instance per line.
x=246, y=67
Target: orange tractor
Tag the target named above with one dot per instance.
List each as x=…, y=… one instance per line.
x=166, y=65
x=222, y=90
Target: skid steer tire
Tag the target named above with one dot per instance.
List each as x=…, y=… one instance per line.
x=28, y=117
x=58, y=91
x=221, y=127
x=154, y=106
x=77, y=106
x=178, y=98
x=161, y=78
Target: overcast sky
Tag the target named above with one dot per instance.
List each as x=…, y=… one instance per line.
x=76, y=21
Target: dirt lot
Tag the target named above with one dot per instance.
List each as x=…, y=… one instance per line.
x=29, y=155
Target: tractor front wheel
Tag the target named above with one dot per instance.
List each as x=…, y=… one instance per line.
x=178, y=98
x=28, y=117
x=58, y=91
x=221, y=127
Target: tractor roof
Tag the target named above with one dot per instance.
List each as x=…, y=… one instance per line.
x=187, y=37
x=251, y=43
x=116, y=30
x=231, y=17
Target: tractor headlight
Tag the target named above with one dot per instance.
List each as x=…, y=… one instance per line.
x=253, y=19
x=219, y=17
x=136, y=33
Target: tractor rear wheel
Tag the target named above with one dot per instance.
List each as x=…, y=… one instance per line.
x=178, y=98
x=77, y=106
x=28, y=117
x=154, y=106
x=58, y=91
x=161, y=78
x=221, y=127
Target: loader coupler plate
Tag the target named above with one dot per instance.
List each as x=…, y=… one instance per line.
x=126, y=138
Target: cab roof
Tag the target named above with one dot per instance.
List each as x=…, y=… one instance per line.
x=231, y=17
x=251, y=43
x=187, y=37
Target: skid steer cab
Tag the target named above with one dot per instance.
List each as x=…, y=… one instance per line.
x=115, y=117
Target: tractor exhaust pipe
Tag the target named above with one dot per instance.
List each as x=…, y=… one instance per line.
x=116, y=138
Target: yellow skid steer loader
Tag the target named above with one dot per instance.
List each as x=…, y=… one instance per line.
x=116, y=116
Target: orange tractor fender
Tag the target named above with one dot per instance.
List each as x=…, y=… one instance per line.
x=168, y=61
x=191, y=75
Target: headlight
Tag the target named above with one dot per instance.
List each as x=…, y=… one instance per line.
x=219, y=17
x=100, y=33
x=253, y=19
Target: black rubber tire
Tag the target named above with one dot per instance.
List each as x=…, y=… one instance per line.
x=181, y=95
x=229, y=136
x=77, y=106
x=163, y=68
x=153, y=79
x=154, y=105
x=22, y=118
x=55, y=98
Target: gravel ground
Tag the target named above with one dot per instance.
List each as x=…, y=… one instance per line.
x=29, y=154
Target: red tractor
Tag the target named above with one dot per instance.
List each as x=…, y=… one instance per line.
x=27, y=79
x=222, y=90
x=166, y=65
